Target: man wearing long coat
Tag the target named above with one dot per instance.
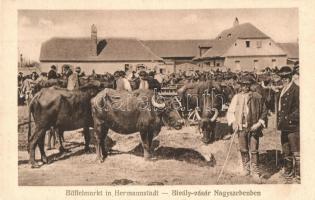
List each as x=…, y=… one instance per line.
x=288, y=122
x=247, y=114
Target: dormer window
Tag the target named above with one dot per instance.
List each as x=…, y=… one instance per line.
x=229, y=35
x=269, y=43
x=219, y=38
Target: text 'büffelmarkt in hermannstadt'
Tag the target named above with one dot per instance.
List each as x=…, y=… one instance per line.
x=124, y=97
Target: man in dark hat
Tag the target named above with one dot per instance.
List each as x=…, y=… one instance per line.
x=66, y=72
x=288, y=121
x=153, y=83
x=247, y=114
x=52, y=74
x=143, y=80
x=20, y=79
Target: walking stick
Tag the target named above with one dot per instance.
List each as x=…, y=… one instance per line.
x=227, y=156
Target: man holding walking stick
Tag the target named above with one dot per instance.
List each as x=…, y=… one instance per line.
x=247, y=114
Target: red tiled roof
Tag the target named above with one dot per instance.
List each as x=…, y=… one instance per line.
x=109, y=49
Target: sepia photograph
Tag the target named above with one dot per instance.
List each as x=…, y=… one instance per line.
x=158, y=97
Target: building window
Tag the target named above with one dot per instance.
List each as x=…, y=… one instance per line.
x=229, y=35
x=247, y=44
x=237, y=65
x=259, y=44
x=255, y=64
x=235, y=44
x=274, y=62
x=218, y=64
x=269, y=43
x=220, y=38
x=127, y=67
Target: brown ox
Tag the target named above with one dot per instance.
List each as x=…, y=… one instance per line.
x=62, y=109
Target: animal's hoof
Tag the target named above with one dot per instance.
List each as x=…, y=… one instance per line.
x=67, y=151
x=63, y=150
x=100, y=160
x=88, y=150
x=45, y=160
x=34, y=165
x=147, y=156
x=153, y=158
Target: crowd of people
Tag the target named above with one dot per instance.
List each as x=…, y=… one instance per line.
x=131, y=80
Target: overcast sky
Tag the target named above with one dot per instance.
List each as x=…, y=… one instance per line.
x=37, y=26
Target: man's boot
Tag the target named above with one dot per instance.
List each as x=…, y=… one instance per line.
x=288, y=170
x=254, y=166
x=245, y=163
x=297, y=178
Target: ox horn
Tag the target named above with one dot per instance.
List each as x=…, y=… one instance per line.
x=215, y=116
x=157, y=105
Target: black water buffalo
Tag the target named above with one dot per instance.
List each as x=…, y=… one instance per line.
x=129, y=112
x=62, y=109
x=205, y=99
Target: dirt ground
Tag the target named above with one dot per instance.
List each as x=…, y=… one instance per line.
x=180, y=158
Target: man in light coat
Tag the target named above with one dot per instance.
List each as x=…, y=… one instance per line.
x=73, y=80
x=247, y=114
x=122, y=82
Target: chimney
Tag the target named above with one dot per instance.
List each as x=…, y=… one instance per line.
x=94, y=40
x=236, y=22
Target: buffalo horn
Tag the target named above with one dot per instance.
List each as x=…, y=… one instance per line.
x=215, y=116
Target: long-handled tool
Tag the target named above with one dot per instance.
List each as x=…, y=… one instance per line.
x=227, y=156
